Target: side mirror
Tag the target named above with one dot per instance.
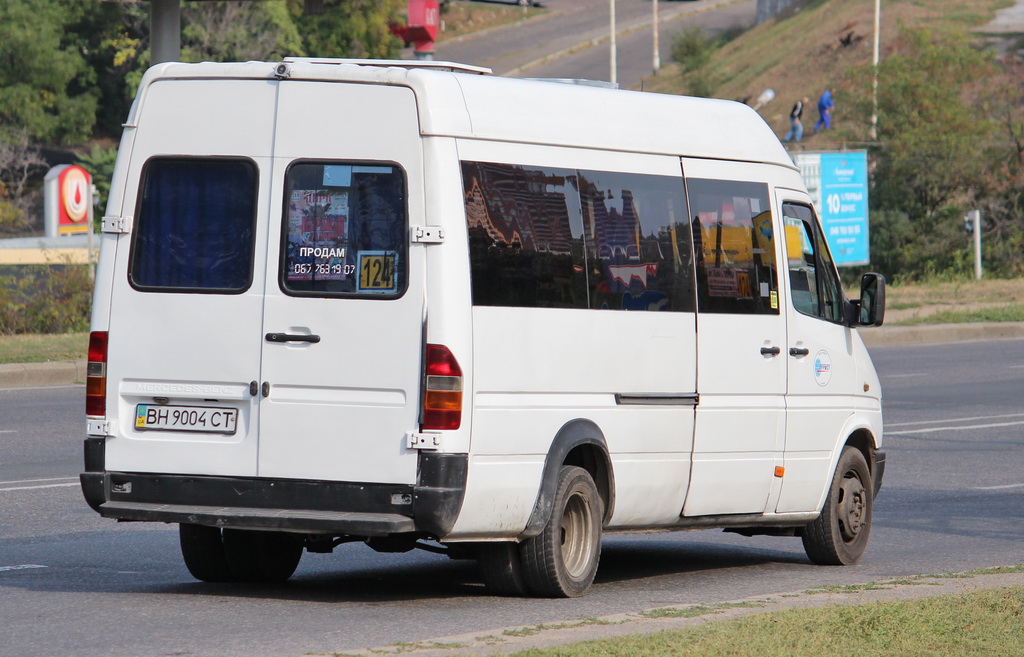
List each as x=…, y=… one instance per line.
x=871, y=306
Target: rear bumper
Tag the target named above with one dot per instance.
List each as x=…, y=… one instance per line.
x=361, y=509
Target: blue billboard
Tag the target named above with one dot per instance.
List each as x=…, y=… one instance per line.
x=844, y=206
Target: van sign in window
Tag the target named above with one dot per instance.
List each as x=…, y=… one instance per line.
x=344, y=231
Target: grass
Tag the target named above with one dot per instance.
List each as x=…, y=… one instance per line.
x=988, y=622
x=955, y=302
x=993, y=314
x=43, y=348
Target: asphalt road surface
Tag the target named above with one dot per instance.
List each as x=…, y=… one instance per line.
x=72, y=583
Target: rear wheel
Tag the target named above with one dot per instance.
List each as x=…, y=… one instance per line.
x=562, y=560
x=203, y=550
x=840, y=534
x=256, y=556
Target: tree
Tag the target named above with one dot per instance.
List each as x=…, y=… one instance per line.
x=19, y=162
x=46, y=85
x=930, y=125
x=348, y=28
x=239, y=31
x=932, y=131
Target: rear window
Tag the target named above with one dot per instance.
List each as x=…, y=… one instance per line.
x=345, y=230
x=195, y=226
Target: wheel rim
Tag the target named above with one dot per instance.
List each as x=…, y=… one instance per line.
x=577, y=536
x=852, y=507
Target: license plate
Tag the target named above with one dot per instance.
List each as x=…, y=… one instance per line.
x=201, y=419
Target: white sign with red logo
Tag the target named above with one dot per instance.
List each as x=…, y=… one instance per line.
x=73, y=208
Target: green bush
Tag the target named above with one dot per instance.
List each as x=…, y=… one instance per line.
x=53, y=298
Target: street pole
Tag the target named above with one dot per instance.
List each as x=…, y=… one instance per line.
x=874, y=80
x=614, y=64
x=975, y=217
x=657, y=55
x=165, y=31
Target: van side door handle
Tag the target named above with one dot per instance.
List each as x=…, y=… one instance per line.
x=293, y=337
x=799, y=351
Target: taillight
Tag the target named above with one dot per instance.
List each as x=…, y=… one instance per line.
x=442, y=397
x=96, y=375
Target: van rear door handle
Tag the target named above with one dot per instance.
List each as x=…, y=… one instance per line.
x=293, y=337
x=770, y=351
x=799, y=351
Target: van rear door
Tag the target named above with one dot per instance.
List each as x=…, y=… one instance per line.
x=187, y=292
x=343, y=320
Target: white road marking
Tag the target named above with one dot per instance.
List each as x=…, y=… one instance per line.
x=1005, y=487
x=37, y=487
x=33, y=481
x=24, y=566
x=955, y=419
x=952, y=428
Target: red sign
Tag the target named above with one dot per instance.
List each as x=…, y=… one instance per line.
x=73, y=186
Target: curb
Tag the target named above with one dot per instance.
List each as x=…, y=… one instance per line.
x=33, y=375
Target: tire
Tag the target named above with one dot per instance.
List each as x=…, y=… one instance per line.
x=257, y=556
x=562, y=560
x=840, y=534
x=501, y=569
x=203, y=550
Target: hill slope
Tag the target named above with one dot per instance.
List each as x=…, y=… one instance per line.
x=813, y=45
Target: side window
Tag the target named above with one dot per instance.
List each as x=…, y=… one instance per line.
x=563, y=238
x=344, y=230
x=637, y=242
x=812, y=275
x=195, y=226
x=734, y=242
x=525, y=236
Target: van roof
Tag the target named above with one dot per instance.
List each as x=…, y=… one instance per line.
x=457, y=100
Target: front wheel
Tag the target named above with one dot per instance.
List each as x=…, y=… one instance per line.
x=840, y=534
x=562, y=560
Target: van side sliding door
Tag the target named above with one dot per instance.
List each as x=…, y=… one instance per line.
x=741, y=340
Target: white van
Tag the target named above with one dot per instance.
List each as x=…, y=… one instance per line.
x=398, y=302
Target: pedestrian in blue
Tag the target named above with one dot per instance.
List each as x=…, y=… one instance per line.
x=796, y=128
x=825, y=106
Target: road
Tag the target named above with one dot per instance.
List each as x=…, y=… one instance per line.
x=571, y=40
x=75, y=584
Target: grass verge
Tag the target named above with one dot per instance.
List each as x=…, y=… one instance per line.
x=43, y=348
x=987, y=622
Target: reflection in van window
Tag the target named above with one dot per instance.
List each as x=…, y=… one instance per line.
x=812, y=277
x=195, y=226
x=544, y=237
x=734, y=240
x=344, y=230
